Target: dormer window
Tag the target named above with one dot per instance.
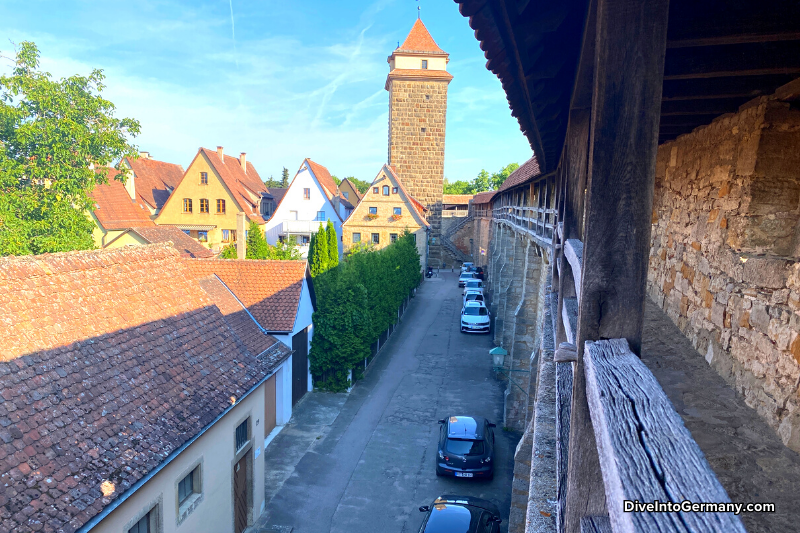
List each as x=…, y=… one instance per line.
x=424, y=63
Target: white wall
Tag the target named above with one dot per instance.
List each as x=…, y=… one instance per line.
x=306, y=209
x=302, y=320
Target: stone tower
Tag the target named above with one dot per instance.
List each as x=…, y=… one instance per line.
x=417, y=85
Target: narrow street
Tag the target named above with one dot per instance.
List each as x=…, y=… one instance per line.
x=364, y=462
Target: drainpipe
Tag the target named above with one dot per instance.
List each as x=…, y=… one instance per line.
x=241, y=241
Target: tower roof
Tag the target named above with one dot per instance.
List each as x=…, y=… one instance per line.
x=419, y=40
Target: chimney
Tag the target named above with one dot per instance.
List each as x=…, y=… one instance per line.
x=243, y=161
x=241, y=240
x=144, y=155
x=220, y=153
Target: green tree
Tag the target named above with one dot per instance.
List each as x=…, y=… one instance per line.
x=498, y=178
x=318, y=263
x=56, y=139
x=361, y=185
x=270, y=183
x=333, y=245
x=457, y=187
x=257, y=247
x=229, y=252
x=285, y=177
x=284, y=251
x=336, y=180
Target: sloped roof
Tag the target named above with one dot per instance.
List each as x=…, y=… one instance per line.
x=155, y=180
x=111, y=361
x=239, y=182
x=187, y=246
x=278, y=193
x=419, y=40
x=484, y=197
x=269, y=289
x=528, y=170
x=324, y=178
x=355, y=189
x=457, y=199
x=413, y=74
x=115, y=208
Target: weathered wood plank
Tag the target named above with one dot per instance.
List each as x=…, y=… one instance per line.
x=630, y=45
x=569, y=316
x=646, y=453
x=573, y=252
x=564, y=373
x=595, y=524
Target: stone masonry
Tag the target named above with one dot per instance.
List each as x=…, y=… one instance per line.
x=417, y=113
x=725, y=256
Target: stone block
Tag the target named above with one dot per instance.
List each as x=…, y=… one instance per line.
x=759, y=317
x=767, y=272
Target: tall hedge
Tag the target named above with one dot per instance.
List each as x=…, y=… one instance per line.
x=318, y=254
x=333, y=245
x=357, y=301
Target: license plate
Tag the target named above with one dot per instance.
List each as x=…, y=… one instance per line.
x=463, y=474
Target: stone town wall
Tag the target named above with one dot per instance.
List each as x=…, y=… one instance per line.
x=725, y=256
x=417, y=113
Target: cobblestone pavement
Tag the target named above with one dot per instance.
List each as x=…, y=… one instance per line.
x=364, y=462
x=749, y=459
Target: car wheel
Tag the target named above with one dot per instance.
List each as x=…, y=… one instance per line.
x=438, y=472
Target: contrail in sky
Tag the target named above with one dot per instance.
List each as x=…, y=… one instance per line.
x=233, y=36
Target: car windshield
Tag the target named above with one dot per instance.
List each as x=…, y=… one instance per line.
x=465, y=447
x=475, y=284
x=474, y=310
x=474, y=296
x=449, y=518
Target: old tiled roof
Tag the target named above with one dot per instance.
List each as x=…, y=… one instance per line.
x=239, y=182
x=155, y=180
x=115, y=208
x=484, y=197
x=324, y=178
x=413, y=74
x=187, y=246
x=111, y=360
x=528, y=170
x=419, y=40
x=278, y=193
x=456, y=199
x=270, y=289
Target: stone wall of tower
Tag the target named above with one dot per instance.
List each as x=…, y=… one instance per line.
x=417, y=113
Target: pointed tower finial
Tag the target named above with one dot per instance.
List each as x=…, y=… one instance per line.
x=419, y=10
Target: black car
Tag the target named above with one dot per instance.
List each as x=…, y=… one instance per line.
x=466, y=447
x=479, y=272
x=460, y=514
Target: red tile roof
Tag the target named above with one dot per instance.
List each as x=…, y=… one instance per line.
x=484, y=197
x=278, y=193
x=456, y=199
x=187, y=246
x=115, y=210
x=154, y=180
x=239, y=182
x=324, y=178
x=413, y=74
x=528, y=170
x=419, y=40
x=270, y=289
x=111, y=361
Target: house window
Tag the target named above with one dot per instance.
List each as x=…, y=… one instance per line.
x=386, y=190
x=398, y=211
x=242, y=434
x=375, y=190
x=356, y=237
x=146, y=524
x=373, y=210
x=204, y=178
x=346, y=195
x=202, y=236
x=393, y=237
x=306, y=194
x=320, y=216
x=394, y=190
x=187, y=205
x=188, y=487
x=424, y=63
x=305, y=239
x=204, y=205
x=187, y=232
x=226, y=235
x=220, y=207
x=376, y=238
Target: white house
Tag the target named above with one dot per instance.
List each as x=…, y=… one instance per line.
x=311, y=198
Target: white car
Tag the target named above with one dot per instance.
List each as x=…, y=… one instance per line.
x=475, y=318
x=472, y=284
x=465, y=267
x=473, y=295
x=465, y=277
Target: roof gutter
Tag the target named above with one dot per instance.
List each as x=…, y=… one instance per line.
x=96, y=519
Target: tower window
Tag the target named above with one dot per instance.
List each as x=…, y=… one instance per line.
x=424, y=63
x=424, y=130
x=427, y=97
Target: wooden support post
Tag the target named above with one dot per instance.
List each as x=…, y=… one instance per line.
x=630, y=44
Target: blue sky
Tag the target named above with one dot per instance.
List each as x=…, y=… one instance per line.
x=301, y=78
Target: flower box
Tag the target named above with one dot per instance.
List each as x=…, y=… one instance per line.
x=395, y=218
x=372, y=216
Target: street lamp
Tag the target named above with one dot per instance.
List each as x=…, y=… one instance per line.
x=498, y=355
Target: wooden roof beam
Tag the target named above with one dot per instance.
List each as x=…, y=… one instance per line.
x=746, y=38
x=735, y=73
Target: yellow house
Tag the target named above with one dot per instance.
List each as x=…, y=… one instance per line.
x=385, y=211
x=213, y=190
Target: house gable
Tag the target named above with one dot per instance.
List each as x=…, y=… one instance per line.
x=370, y=199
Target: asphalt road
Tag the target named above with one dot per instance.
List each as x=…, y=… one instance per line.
x=364, y=462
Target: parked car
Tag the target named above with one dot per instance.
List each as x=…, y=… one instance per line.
x=471, y=284
x=473, y=295
x=464, y=277
x=475, y=318
x=466, y=447
x=465, y=267
x=462, y=514
x=479, y=273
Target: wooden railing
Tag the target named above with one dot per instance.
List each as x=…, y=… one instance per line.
x=538, y=221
